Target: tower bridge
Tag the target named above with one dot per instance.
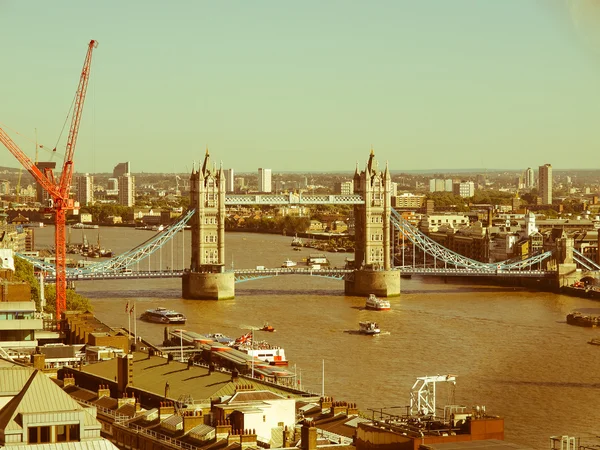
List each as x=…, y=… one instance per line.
x=377, y=227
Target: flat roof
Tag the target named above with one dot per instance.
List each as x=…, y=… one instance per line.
x=487, y=444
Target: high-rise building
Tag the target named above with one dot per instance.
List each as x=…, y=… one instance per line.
x=113, y=186
x=529, y=178
x=240, y=183
x=545, y=184
x=229, y=180
x=264, y=180
x=121, y=169
x=85, y=189
x=127, y=190
x=41, y=195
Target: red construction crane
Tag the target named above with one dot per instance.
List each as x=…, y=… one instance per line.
x=59, y=190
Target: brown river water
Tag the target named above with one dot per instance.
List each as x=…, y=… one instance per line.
x=510, y=349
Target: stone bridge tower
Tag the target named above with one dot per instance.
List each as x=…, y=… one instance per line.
x=207, y=278
x=372, y=258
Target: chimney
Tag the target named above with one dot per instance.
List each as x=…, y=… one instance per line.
x=352, y=409
x=39, y=361
x=124, y=372
x=308, y=436
x=165, y=410
x=339, y=408
x=192, y=419
x=326, y=404
x=126, y=400
x=223, y=430
x=103, y=391
x=287, y=437
x=234, y=375
x=233, y=438
x=248, y=439
x=68, y=380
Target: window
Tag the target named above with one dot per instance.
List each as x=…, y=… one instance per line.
x=38, y=435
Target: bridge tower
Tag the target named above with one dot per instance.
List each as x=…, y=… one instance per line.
x=567, y=269
x=207, y=279
x=372, y=257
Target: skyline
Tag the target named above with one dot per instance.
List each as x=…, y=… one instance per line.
x=310, y=87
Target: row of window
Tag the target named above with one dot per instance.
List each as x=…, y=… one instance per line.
x=16, y=335
x=210, y=220
x=53, y=433
x=211, y=238
x=17, y=315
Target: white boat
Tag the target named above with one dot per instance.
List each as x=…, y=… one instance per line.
x=288, y=263
x=377, y=304
x=297, y=242
x=370, y=328
x=163, y=315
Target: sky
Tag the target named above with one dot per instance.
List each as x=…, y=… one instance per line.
x=305, y=86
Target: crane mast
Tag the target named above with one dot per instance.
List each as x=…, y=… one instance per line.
x=59, y=190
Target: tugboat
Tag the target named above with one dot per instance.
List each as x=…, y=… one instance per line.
x=369, y=328
x=377, y=304
x=267, y=327
x=582, y=320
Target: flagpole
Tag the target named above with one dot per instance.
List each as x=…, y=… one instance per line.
x=181, y=342
x=134, y=324
x=128, y=327
x=252, y=352
x=323, y=381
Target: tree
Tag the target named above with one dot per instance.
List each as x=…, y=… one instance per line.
x=24, y=272
x=75, y=301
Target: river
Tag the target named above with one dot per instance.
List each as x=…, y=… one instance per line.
x=510, y=349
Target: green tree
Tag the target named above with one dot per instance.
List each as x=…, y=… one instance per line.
x=24, y=272
x=75, y=301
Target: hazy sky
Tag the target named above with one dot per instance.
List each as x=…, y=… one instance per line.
x=305, y=85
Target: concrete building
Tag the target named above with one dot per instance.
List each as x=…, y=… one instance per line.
x=121, y=169
x=229, y=180
x=465, y=189
x=529, y=178
x=344, y=188
x=113, y=186
x=127, y=190
x=440, y=185
x=545, y=184
x=264, y=180
x=85, y=189
x=408, y=201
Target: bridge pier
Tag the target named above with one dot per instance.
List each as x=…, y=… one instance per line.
x=382, y=283
x=208, y=286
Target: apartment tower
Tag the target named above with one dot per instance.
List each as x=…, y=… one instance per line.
x=545, y=184
x=85, y=189
x=264, y=180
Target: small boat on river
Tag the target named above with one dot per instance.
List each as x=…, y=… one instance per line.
x=288, y=263
x=267, y=327
x=377, y=304
x=369, y=328
x=594, y=341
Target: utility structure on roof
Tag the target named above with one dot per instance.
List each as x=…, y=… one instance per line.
x=59, y=189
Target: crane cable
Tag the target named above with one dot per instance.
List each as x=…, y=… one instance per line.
x=65, y=123
x=52, y=152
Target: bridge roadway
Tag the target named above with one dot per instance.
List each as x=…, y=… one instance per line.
x=242, y=275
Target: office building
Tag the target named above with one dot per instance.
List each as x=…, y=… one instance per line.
x=264, y=180
x=85, y=189
x=229, y=181
x=545, y=184
x=121, y=169
x=127, y=190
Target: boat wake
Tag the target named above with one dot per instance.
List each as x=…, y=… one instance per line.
x=249, y=327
